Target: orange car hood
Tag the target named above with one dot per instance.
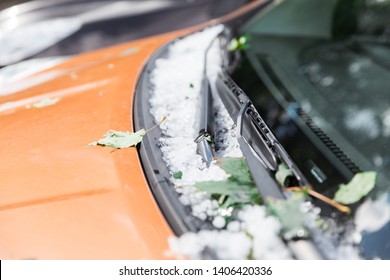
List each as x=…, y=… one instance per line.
x=61, y=199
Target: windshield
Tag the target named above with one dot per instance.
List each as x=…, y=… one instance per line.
x=318, y=73
x=331, y=67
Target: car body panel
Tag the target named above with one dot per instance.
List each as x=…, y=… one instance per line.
x=53, y=185
x=62, y=199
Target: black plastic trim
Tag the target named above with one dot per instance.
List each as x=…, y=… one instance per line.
x=156, y=172
x=322, y=136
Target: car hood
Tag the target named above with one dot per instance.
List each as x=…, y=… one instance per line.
x=61, y=199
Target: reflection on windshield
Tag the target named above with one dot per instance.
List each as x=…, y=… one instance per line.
x=336, y=69
x=322, y=72
x=355, y=90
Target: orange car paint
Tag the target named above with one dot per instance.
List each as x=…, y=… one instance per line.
x=61, y=199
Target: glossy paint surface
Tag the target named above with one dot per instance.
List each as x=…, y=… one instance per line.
x=60, y=198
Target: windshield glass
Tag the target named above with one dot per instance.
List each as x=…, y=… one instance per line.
x=318, y=72
x=330, y=63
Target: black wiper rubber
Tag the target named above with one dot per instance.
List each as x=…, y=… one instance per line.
x=264, y=182
x=206, y=129
x=233, y=98
x=261, y=139
x=206, y=123
x=260, y=159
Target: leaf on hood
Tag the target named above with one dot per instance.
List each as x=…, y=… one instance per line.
x=119, y=139
x=290, y=215
x=44, y=103
x=360, y=185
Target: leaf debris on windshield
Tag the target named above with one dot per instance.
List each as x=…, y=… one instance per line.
x=360, y=185
x=237, y=190
x=289, y=214
x=282, y=174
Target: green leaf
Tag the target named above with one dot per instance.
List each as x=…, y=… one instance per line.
x=191, y=85
x=238, y=44
x=223, y=187
x=238, y=190
x=282, y=174
x=321, y=224
x=235, y=191
x=177, y=175
x=44, y=103
x=360, y=185
x=289, y=214
x=233, y=45
x=238, y=170
x=119, y=139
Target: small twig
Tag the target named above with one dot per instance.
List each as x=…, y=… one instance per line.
x=338, y=206
x=163, y=119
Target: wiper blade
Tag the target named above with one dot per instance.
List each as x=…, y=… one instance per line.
x=206, y=130
x=264, y=182
x=255, y=137
x=206, y=123
x=261, y=150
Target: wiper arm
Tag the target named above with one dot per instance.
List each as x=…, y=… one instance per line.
x=264, y=182
x=261, y=149
x=259, y=145
x=206, y=123
x=206, y=129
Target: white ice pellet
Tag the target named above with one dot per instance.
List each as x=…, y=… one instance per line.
x=233, y=226
x=219, y=222
x=188, y=245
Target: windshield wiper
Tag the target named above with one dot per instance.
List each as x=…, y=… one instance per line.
x=261, y=151
x=261, y=148
x=259, y=145
x=206, y=130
